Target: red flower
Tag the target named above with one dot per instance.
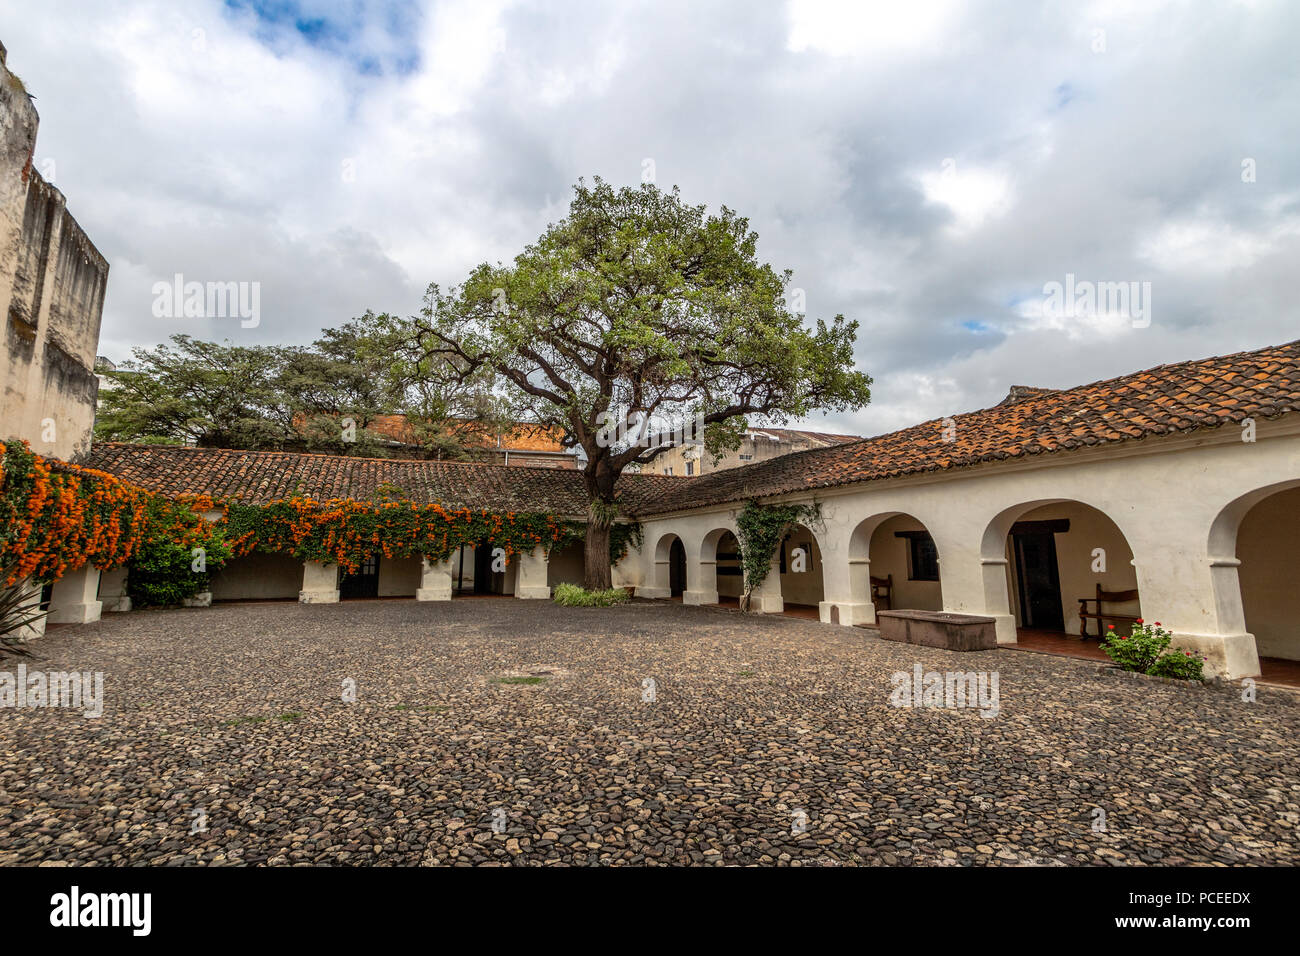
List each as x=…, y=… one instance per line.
x=1139, y=620
x=1123, y=637
x=1157, y=623
x=1110, y=627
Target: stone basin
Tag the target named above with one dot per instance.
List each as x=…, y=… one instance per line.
x=955, y=632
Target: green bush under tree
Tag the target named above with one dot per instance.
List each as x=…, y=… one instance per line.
x=572, y=595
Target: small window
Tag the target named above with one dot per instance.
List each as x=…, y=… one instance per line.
x=923, y=563
x=746, y=457
x=690, y=468
x=668, y=470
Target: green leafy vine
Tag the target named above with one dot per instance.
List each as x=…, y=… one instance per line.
x=761, y=529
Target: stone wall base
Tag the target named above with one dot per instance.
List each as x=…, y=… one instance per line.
x=1230, y=656
x=847, y=613
x=700, y=597
x=318, y=597
x=85, y=613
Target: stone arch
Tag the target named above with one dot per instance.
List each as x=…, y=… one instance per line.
x=800, y=565
x=1254, y=552
x=894, y=562
x=670, y=567
x=1039, y=558
x=719, y=568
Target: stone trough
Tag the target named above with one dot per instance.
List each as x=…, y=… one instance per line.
x=955, y=632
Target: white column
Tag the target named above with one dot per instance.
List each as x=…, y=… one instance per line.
x=320, y=583
x=1190, y=589
x=704, y=575
x=531, y=583
x=766, y=598
x=112, y=590
x=997, y=601
x=656, y=571
x=1176, y=588
x=842, y=604
x=75, y=600
x=435, y=580
x=972, y=583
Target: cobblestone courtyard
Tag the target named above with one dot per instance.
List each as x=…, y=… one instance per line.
x=234, y=718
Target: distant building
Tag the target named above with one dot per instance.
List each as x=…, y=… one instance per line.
x=522, y=444
x=759, y=444
x=104, y=365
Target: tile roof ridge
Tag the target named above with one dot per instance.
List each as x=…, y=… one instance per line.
x=326, y=455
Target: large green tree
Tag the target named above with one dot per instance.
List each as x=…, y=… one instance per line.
x=204, y=393
x=638, y=307
x=323, y=398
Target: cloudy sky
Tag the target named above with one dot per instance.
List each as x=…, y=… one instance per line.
x=926, y=168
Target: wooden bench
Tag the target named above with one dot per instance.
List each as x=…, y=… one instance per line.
x=882, y=592
x=1100, y=614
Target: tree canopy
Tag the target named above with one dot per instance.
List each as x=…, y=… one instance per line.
x=637, y=308
x=320, y=398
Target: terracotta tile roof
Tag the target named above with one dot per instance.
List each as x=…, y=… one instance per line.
x=1164, y=400
x=256, y=477
x=522, y=436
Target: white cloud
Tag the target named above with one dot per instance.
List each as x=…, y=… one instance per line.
x=971, y=195
x=1212, y=246
x=826, y=124
x=855, y=28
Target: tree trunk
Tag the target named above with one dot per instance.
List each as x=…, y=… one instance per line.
x=598, y=575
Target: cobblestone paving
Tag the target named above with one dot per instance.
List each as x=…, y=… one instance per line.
x=238, y=712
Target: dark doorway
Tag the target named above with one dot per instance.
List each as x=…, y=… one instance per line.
x=677, y=568
x=1039, y=579
x=363, y=584
x=486, y=581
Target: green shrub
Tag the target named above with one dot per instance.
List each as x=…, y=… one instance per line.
x=1184, y=666
x=1146, y=651
x=161, y=574
x=571, y=595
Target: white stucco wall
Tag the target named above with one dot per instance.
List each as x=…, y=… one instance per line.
x=1176, y=503
x=399, y=577
x=566, y=566
x=258, y=577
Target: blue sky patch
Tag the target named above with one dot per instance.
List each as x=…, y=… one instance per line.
x=376, y=36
